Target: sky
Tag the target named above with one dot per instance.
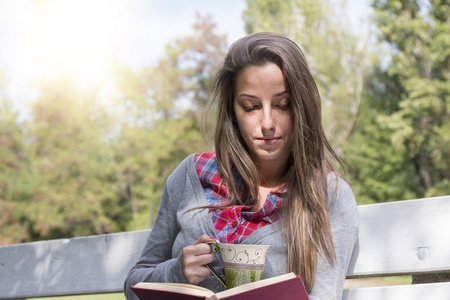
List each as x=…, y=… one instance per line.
x=34, y=39
x=38, y=38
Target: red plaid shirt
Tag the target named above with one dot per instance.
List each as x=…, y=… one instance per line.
x=237, y=222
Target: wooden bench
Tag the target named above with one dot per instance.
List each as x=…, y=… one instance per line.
x=409, y=237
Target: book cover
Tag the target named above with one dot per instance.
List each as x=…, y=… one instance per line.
x=287, y=286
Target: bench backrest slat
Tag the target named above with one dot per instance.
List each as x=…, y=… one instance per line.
x=84, y=265
x=435, y=291
x=404, y=237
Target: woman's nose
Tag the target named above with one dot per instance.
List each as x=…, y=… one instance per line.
x=267, y=122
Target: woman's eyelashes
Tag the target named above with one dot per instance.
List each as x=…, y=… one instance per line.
x=249, y=108
x=284, y=107
x=280, y=106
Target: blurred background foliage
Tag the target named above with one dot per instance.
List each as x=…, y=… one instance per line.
x=80, y=165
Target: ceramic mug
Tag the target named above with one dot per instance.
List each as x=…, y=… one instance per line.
x=242, y=263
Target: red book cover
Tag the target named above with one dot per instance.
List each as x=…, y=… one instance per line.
x=284, y=287
x=151, y=294
x=290, y=289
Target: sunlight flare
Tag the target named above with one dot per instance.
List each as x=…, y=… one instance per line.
x=72, y=38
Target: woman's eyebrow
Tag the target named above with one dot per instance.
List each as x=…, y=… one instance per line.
x=277, y=95
x=255, y=97
x=248, y=95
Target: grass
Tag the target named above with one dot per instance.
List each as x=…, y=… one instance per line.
x=377, y=281
x=116, y=296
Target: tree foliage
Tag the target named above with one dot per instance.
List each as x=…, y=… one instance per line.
x=162, y=107
x=89, y=163
x=71, y=161
x=15, y=182
x=404, y=130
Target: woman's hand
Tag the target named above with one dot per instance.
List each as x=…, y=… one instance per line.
x=194, y=258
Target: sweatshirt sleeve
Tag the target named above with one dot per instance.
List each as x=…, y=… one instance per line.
x=156, y=263
x=344, y=222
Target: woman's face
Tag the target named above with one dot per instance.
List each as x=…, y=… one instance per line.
x=264, y=113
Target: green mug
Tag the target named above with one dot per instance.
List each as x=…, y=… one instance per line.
x=242, y=263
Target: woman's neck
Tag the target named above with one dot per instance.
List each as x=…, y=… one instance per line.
x=273, y=175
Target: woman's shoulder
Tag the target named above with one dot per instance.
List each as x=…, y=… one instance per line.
x=204, y=158
x=193, y=163
x=340, y=193
x=206, y=165
x=336, y=183
x=185, y=167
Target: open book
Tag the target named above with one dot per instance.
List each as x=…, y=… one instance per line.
x=287, y=286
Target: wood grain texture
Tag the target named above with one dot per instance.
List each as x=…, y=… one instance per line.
x=403, y=237
x=84, y=265
x=435, y=291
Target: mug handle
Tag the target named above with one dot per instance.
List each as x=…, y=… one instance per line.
x=214, y=246
x=215, y=249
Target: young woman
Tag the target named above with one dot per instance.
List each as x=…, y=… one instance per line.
x=271, y=180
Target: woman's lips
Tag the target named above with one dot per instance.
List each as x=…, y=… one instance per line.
x=269, y=141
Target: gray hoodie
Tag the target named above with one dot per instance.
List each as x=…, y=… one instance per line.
x=176, y=227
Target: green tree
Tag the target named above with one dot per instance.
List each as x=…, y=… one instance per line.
x=72, y=164
x=15, y=182
x=405, y=135
x=339, y=59
x=161, y=108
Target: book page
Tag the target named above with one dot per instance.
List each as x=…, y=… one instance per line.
x=176, y=287
x=255, y=285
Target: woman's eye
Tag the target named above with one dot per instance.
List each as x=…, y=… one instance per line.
x=249, y=108
x=283, y=106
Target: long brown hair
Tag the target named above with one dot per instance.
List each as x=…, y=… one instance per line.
x=304, y=214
